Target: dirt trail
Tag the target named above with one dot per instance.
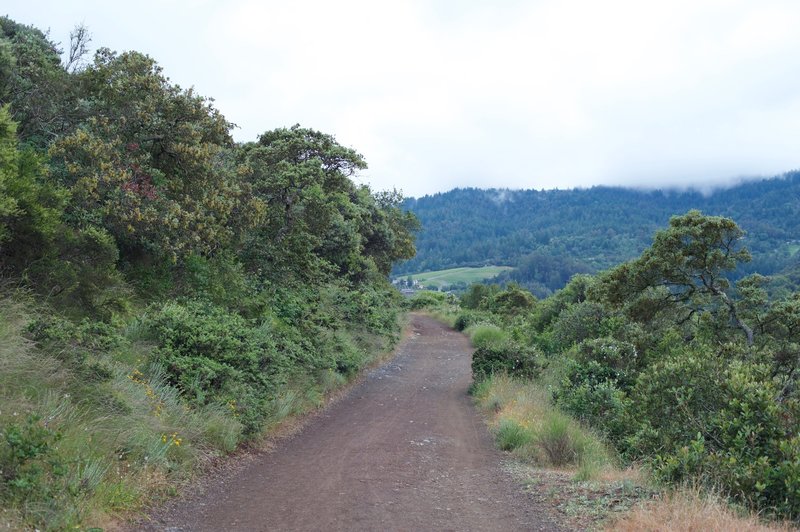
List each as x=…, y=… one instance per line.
x=405, y=450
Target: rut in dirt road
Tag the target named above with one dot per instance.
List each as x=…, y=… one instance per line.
x=405, y=450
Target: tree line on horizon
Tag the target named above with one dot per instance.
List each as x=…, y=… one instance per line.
x=550, y=235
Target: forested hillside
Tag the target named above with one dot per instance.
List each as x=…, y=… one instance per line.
x=165, y=293
x=550, y=235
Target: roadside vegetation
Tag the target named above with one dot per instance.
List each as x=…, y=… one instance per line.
x=165, y=293
x=661, y=364
x=526, y=423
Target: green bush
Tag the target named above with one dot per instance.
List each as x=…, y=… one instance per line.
x=427, y=299
x=507, y=357
x=580, y=322
x=486, y=334
x=594, y=388
x=675, y=398
x=47, y=490
x=753, y=442
x=721, y=424
x=374, y=307
x=603, y=406
x=513, y=300
x=478, y=296
x=212, y=355
x=465, y=320
x=80, y=274
x=30, y=207
x=611, y=353
x=220, y=279
x=82, y=347
x=23, y=458
x=215, y=356
x=349, y=357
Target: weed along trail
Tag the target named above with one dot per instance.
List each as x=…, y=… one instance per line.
x=405, y=450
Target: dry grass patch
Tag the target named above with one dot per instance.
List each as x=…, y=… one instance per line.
x=525, y=423
x=562, y=465
x=691, y=510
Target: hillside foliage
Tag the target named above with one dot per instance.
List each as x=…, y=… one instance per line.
x=166, y=293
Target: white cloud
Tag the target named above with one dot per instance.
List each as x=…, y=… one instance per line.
x=514, y=94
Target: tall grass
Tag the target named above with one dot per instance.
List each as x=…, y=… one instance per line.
x=512, y=434
x=692, y=509
x=108, y=444
x=525, y=423
x=486, y=334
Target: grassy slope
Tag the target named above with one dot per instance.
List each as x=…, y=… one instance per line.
x=441, y=278
x=100, y=445
x=103, y=445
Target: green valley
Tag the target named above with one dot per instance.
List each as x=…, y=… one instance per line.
x=459, y=277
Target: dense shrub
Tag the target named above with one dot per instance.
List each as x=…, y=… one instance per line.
x=24, y=449
x=478, y=296
x=82, y=347
x=616, y=355
x=30, y=208
x=212, y=355
x=427, y=299
x=215, y=356
x=464, y=320
x=675, y=398
x=220, y=279
x=506, y=357
x=580, y=322
x=749, y=448
x=79, y=274
x=487, y=334
x=374, y=307
x=513, y=300
x=37, y=479
x=601, y=405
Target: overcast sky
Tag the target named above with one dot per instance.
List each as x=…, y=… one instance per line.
x=519, y=94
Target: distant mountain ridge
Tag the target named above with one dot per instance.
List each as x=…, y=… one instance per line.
x=551, y=234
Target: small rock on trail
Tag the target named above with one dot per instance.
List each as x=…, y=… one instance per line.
x=405, y=450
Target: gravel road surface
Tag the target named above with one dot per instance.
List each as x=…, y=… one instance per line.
x=404, y=450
